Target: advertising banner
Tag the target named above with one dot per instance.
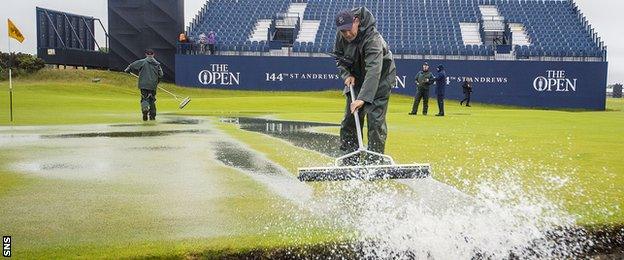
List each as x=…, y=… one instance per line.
x=540, y=84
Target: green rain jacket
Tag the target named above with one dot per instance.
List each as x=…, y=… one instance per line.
x=149, y=70
x=373, y=65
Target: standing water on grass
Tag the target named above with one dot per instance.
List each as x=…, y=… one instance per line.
x=433, y=220
x=427, y=219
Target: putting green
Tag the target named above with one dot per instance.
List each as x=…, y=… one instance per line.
x=580, y=149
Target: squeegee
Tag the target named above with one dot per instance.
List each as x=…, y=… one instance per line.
x=183, y=102
x=383, y=170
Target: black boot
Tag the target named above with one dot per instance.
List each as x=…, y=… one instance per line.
x=144, y=116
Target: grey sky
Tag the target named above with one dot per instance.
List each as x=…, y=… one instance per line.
x=604, y=15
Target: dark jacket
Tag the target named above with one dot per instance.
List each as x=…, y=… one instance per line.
x=467, y=87
x=149, y=70
x=424, y=79
x=373, y=65
x=441, y=83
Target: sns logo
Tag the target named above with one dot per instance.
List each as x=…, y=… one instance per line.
x=220, y=75
x=555, y=80
x=6, y=246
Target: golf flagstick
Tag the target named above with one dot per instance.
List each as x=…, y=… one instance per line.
x=10, y=83
x=13, y=32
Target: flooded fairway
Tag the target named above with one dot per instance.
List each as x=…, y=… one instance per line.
x=185, y=178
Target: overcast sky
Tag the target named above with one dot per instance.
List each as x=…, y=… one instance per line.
x=606, y=16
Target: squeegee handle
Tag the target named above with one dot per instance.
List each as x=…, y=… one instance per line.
x=357, y=120
x=159, y=87
x=174, y=95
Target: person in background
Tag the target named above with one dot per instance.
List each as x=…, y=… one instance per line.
x=441, y=89
x=183, y=42
x=212, y=41
x=150, y=72
x=467, y=87
x=203, y=40
x=192, y=45
x=424, y=80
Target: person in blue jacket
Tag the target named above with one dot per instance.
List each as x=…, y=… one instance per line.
x=441, y=88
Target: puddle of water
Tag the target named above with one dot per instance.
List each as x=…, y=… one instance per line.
x=58, y=166
x=11, y=139
x=125, y=134
x=182, y=121
x=167, y=121
x=262, y=170
x=295, y=132
x=157, y=148
x=124, y=125
x=234, y=156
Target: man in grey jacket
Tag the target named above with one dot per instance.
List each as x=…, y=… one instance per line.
x=371, y=72
x=150, y=72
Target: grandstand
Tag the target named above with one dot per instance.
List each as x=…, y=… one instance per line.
x=548, y=30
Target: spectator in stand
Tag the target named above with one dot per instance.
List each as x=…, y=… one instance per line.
x=192, y=45
x=212, y=41
x=203, y=40
x=183, y=42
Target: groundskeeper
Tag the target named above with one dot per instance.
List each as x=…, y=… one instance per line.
x=150, y=72
x=424, y=80
x=365, y=63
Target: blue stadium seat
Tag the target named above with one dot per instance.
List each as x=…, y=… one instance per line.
x=421, y=27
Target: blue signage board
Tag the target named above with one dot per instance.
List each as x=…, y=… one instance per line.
x=541, y=84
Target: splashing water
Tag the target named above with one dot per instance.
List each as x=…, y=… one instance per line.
x=513, y=210
x=501, y=220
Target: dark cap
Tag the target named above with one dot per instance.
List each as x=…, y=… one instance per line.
x=441, y=67
x=344, y=20
x=149, y=52
x=426, y=63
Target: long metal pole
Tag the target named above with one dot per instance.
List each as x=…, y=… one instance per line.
x=161, y=88
x=10, y=83
x=357, y=121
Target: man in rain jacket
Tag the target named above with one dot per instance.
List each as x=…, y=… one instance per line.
x=424, y=80
x=372, y=73
x=150, y=72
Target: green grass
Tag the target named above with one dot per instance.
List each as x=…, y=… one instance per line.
x=468, y=146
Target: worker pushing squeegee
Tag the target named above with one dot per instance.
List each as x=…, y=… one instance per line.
x=366, y=65
x=150, y=72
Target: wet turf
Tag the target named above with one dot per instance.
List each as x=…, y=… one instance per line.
x=66, y=207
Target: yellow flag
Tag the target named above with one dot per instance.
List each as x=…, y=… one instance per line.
x=14, y=32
